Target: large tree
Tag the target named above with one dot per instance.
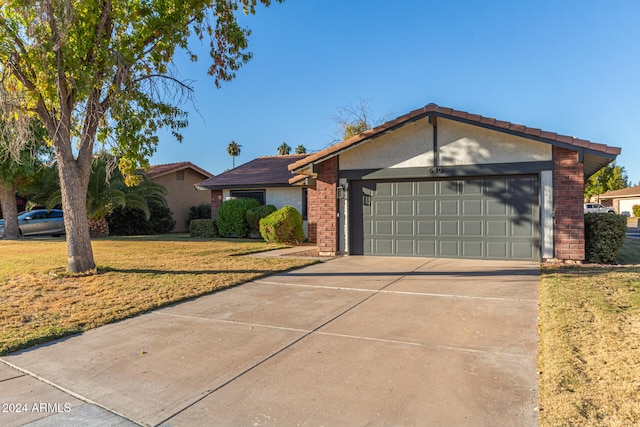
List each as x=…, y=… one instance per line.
x=284, y=149
x=610, y=177
x=103, y=69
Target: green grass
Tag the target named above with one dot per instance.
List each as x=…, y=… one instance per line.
x=135, y=275
x=630, y=252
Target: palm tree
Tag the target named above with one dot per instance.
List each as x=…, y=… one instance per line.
x=107, y=191
x=233, y=149
x=301, y=150
x=284, y=149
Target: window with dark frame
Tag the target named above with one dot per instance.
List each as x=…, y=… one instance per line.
x=259, y=195
x=304, y=204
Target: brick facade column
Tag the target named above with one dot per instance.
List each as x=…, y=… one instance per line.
x=323, y=206
x=568, y=188
x=216, y=202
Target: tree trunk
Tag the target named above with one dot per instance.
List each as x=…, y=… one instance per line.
x=73, y=186
x=9, y=210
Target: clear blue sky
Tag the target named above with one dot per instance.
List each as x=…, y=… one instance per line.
x=565, y=66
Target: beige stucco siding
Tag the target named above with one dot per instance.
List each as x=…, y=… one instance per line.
x=463, y=144
x=181, y=195
x=408, y=146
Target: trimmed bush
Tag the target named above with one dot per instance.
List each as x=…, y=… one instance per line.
x=203, y=228
x=636, y=210
x=254, y=215
x=604, y=235
x=282, y=226
x=202, y=211
x=232, y=217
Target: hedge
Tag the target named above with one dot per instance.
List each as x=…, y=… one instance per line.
x=254, y=215
x=604, y=235
x=231, y=218
x=203, y=228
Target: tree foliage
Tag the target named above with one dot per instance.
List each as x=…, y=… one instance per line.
x=103, y=70
x=284, y=149
x=353, y=119
x=233, y=149
x=300, y=149
x=610, y=177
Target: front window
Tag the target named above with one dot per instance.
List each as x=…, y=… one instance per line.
x=259, y=195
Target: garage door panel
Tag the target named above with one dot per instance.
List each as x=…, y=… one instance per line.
x=497, y=228
x=383, y=228
x=405, y=207
x=449, y=248
x=426, y=247
x=521, y=250
x=496, y=207
x=405, y=228
x=472, y=207
x=448, y=207
x=383, y=207
x=426, y=207
x=405, y=247
x=497, y=250
x=471, y=218
x=426, y=228
x=472, y=228
x=472, y=249
x=448, y=228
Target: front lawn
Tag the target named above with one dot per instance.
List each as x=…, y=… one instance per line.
x=590, y=344
x=38, y=302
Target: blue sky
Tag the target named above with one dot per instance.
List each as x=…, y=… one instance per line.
x=571, y=67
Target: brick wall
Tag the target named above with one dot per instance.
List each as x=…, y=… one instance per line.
x=216, y=201
x=568, y=188
x=322, y=208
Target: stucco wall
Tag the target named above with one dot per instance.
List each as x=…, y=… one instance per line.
x=627, y=205
x=408, y=146
x=463, y=144
x=182, y=195
x=458, y=144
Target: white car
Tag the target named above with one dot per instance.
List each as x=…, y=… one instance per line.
x=597, y=208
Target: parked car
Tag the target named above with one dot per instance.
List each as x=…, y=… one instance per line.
x=39, y=222
x=626, y=214
x=597, y=208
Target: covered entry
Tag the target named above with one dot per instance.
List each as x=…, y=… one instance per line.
x=489, y=217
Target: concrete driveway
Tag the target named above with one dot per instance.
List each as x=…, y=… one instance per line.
x=351, y=341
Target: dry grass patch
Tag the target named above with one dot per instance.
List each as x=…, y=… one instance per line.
x=590, y=346
x=136, y=275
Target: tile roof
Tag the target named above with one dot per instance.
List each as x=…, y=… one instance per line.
x=463, y=116
x=269, y=171
x=159, y=170
x=625, y=192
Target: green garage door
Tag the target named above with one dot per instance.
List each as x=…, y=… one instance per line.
x=489, y=218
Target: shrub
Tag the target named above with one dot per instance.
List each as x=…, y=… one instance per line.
x=203, y=228
x=232, y=217
x=132, y=221
x=254, y=215
x=604, y=235
x=282, y=226
x=636, y=210
x=202, y=211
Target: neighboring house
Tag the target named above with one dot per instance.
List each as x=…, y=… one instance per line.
x=266, y=179
x=622, y=200
x=438, y=182
x=179, y=179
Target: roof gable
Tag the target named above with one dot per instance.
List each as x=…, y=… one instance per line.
x=268, y=171
x=598, y=154
x=164, y=169
x=622, y=193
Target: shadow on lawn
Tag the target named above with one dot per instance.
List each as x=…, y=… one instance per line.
x=102, y=270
